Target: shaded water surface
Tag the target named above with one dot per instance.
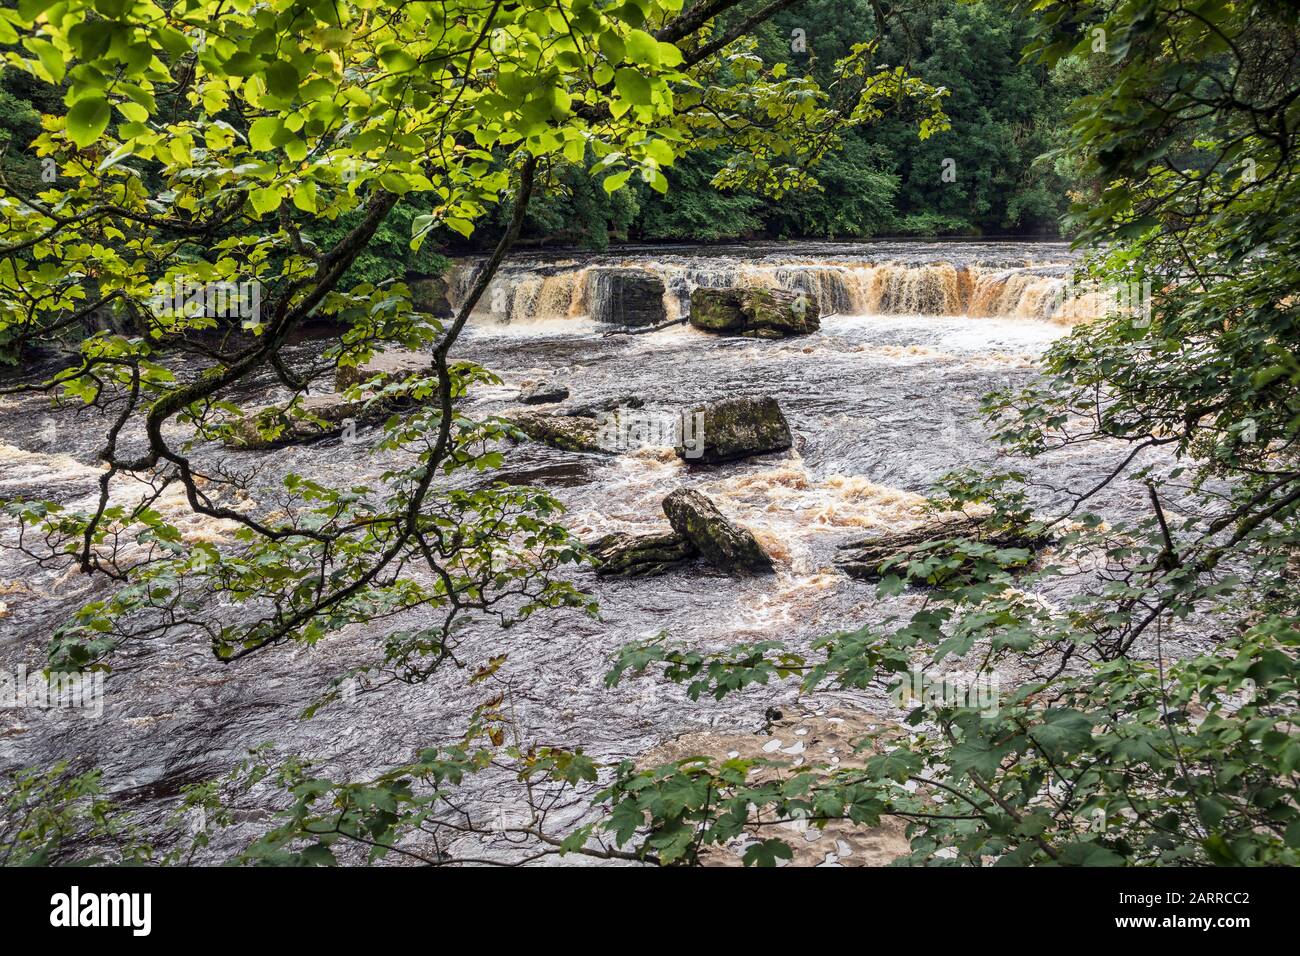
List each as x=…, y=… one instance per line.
x=881, y=405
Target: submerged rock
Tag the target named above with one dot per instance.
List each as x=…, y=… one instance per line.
x=312, y=418
x=566, y=432
x=543, y=393
x=863, y=559
x=638, y=555
x=626, y=297
x=595, y=409
x=754, y=313
x=723, y=544
x=733, y=428
x=388, y=367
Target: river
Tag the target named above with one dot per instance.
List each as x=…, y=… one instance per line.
x=882, y=401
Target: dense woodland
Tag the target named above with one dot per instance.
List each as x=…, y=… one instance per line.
x=1008, y=121
x=326, y=149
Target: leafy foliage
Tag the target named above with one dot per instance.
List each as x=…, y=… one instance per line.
x=292, y=148
x=1109, y=749
x=57, y=816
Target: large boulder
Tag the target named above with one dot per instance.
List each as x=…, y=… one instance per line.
x=566, y=432
x=637, y=555
x=431, y=293
x=723, y=544
x=383, y=369
x=733, y=428
x=626, y=296
x=753, y=312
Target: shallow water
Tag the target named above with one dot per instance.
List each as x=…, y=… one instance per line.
x=881, y=406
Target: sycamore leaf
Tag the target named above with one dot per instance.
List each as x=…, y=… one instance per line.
x=615, y=182
x=766, y=853
x=265, y=200
x=633, y=87
x=88, y=119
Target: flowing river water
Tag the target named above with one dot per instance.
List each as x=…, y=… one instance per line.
x=882, y=401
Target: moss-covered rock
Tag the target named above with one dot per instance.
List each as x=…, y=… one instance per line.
x=753, y=312
x=733, y=428
x=717, y=310
x=566, y=432
x=639, y=555
x=431, y=294
x=724, y=545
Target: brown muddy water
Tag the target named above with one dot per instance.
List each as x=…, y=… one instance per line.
x=882, y=402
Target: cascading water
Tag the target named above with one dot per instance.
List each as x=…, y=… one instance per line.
x=986, y=279
x=882, y=402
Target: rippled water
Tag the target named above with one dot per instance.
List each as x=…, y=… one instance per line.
x=881, y=406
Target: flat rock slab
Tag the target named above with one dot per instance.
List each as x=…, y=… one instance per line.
x=566, y=432
x=863, y=559
x=724, y=545
x=731, y=429
x=388, y=366
x=639, y=555
x=605, y=407
x=543, y=393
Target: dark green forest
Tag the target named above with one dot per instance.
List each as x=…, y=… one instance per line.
x=1007, y=116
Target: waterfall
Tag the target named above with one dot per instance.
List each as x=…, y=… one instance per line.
x=995, y=280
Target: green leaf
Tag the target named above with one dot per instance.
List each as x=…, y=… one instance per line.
x=88, y=119
x=265, y=200
x=304, y=195
x=1087, y=853
x=49, y=57
x=633, y=87
x=766, y=853
x=29, y=10
x=134, y=112
x=615, y=182
x=263, y=132
x=395, y=183
x=642, y=48
x=282, y=79
x=397, y=60
x=625, y=819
